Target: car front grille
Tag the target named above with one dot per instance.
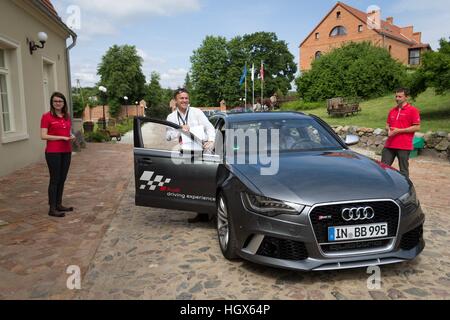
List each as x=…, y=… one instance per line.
x=352, y=246
x=411, y=239
x=283, y=249
x=326, y=216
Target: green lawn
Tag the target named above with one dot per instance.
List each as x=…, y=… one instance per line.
x=434, y=110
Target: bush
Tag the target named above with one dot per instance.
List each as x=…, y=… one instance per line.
x=354, y=70
x=97, y=136
x=125, y=126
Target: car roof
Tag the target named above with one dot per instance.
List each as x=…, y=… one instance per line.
x=258, y=116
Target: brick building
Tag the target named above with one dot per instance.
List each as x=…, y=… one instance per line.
x=345, y=24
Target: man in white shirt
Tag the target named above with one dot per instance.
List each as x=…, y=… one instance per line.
x=190, y=119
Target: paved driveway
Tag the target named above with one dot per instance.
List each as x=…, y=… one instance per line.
x=141, y=253
x=155, y=254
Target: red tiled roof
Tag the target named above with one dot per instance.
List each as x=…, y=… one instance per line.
x=49, y=6
x=387, y=29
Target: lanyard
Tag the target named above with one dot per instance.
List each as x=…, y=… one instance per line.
x=184, y=121
x=399, y=112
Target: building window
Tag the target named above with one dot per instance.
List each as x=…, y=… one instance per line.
x=317, y=36
x=13, y=119
x=2, y=59
x=414, y=57
x=360, y=28
x=318, y=55
x=338, y=31
x=338, y=15
x=4, y=97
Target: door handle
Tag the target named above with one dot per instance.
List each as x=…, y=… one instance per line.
x=146, y=161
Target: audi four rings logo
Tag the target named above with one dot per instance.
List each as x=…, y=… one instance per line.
x=358, y=214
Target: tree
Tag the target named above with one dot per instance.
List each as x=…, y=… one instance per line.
x=154, y=94
x=188, y=83
x=78, y=104
x=218, y=64
x=121, y=73
x=209, y=69
x=158, y=107
x=434, y=71
x=82, y=98
x=354, y=70
x=167, y=96
x=279, y=64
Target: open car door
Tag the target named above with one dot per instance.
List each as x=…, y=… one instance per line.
x=169, y=174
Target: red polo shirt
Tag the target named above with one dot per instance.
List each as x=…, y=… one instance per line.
x=403, y=118
x=57, y=127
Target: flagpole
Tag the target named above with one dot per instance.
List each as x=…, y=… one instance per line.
x=245, y=99
x=262, y=83
x=253, y=82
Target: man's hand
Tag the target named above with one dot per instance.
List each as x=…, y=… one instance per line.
x=185, y=128
x=394, y=131
x=208, y=145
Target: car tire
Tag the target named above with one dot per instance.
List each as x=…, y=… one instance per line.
x=225, y=230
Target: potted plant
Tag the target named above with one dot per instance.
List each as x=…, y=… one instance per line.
x=88, y=126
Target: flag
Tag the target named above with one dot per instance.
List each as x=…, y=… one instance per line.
x=244, y=75
x=253, y=72
x=262, y=71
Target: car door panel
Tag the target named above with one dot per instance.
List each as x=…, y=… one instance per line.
x=173, y=179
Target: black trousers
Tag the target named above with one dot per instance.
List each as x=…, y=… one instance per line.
x=58, y=167
x=389, y=156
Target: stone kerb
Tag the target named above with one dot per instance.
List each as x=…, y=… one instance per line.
x=437, y=144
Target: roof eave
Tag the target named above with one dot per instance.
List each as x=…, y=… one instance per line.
x=43, y=8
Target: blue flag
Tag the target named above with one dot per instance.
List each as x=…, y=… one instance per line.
x=243, y=75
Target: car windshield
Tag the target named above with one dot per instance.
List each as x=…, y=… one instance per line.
x=294, y=136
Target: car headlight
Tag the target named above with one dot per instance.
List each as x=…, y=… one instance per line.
x=410, y=198
x=270, y=207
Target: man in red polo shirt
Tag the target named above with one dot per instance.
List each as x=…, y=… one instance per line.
x=403, y=121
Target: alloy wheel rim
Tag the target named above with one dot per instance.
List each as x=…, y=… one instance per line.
x=222, y=224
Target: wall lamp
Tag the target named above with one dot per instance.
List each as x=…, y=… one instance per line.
x=42, y=37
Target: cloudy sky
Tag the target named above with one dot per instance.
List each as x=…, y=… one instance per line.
x=166, y=32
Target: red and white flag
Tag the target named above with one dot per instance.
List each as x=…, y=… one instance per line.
x=262, y=71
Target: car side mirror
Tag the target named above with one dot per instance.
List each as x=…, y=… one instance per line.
x=351, y=140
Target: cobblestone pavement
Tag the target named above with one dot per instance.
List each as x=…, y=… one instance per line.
x=127, y=252
x=155, y=254
x=35, y=249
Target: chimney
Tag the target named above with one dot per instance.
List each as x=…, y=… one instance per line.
x=408, y=32
x=417, y=36
x=390, y=20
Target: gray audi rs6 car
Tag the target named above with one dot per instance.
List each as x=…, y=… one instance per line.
x=284, y=191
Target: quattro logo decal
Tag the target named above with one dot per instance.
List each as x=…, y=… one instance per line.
x=153, y=183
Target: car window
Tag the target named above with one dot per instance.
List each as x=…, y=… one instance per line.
x=162, y=137
x=294, y=135
x=214, y=120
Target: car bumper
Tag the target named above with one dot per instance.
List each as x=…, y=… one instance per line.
x=294, y=245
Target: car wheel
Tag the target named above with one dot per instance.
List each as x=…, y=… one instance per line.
x=225, y=231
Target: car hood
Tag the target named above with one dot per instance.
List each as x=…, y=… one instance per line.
x=319, y=177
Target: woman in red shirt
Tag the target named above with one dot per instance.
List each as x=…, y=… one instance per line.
x=56, y=130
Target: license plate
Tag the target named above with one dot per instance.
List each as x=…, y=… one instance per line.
x=368, y=231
